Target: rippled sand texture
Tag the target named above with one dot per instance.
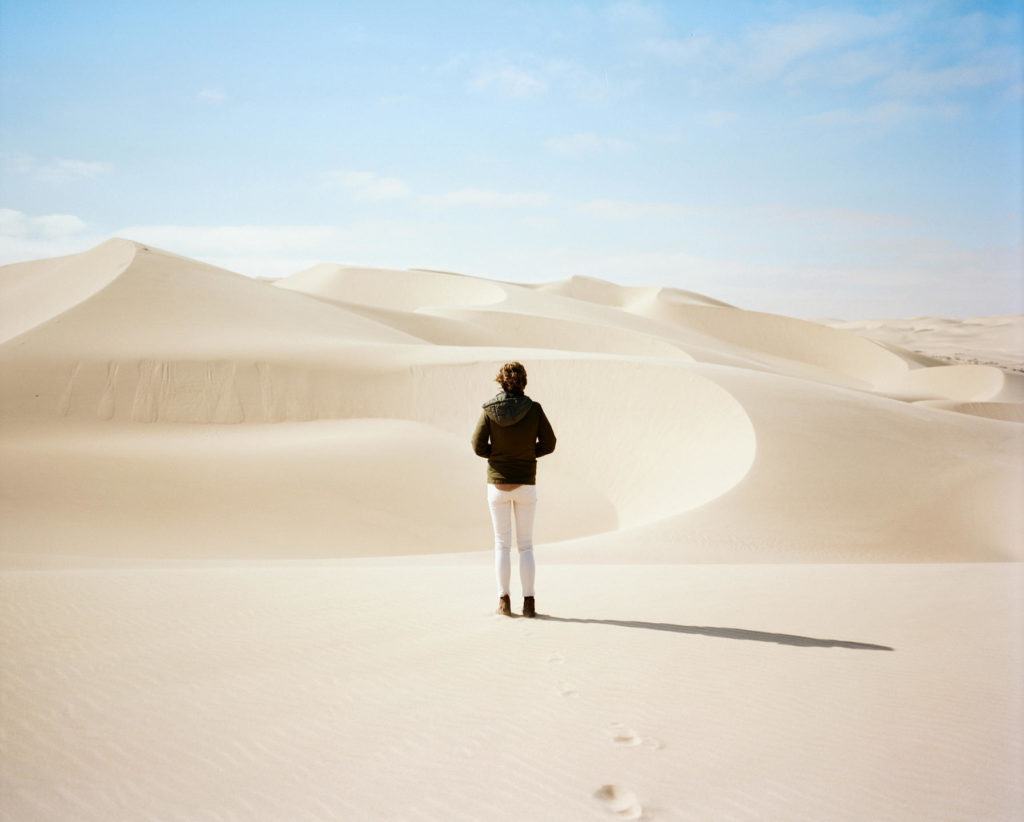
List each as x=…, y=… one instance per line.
x=247, y=569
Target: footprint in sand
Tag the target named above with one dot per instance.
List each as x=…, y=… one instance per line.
x=567, y=689
x=619, y=801
x=621, y=735
x=628, y=738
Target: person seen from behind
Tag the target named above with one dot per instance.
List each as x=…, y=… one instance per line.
x=513, y=432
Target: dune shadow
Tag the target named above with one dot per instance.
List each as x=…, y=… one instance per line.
x=727, y=633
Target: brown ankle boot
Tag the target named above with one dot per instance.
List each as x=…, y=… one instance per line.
x=505, y=606
x=529, y=609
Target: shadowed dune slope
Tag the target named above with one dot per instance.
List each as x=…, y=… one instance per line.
x=32, y=293
x=398, y=437
x=784, y=338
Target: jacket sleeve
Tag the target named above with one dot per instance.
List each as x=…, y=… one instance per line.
x=481, y=437
x=545, y=436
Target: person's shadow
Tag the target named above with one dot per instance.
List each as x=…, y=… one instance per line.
x=727, y=633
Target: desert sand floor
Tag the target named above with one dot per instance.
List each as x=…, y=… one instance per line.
x=244, y=565
x=389, y=691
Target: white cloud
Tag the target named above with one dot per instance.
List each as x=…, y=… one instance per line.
x=23, y=237
x=486, y=198
x=509, y=80
x=17, y=224
x=59, y=225
x=366, y=185
x=586, y=144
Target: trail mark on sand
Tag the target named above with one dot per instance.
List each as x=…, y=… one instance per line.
x=619, y=801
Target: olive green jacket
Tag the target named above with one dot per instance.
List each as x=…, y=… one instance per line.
x=512, y=433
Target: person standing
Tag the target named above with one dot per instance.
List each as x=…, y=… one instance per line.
x=512, y=433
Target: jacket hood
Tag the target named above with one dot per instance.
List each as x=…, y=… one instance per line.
x=507, y=409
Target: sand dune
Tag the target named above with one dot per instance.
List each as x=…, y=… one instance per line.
x=161, y=305
x=995, y=341
x=248, y=570
x=665, y=403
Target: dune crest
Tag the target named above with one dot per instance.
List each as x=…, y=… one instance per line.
x=390, y=288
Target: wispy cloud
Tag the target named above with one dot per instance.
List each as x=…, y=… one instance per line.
x=949, y=79
x=802, y=49
x=717, y=118
x=56, y=170
x=509, y=80
x=697, y=48
x=249, y=239
x=212, y=95
x=585, y=145
x=745, y=219
x=889, y=53
x=486, y=198
x=885, y=115
x=367, y=185
x=633, y=13
x=773, y=49
x=627, y=210
x=526, y=76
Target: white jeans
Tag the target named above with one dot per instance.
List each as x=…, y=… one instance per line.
x=523, y=503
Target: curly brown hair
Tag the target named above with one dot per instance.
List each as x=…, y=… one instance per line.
x=512, y=376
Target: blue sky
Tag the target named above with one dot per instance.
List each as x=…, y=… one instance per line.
x=843, y=159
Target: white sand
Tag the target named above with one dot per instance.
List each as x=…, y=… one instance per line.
x=247, y=573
